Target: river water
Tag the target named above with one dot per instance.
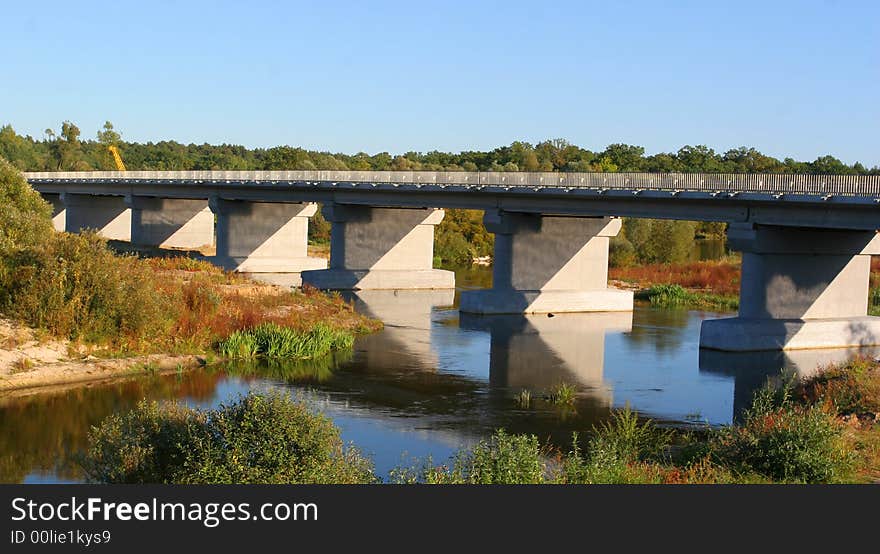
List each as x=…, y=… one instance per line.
x=435, y=380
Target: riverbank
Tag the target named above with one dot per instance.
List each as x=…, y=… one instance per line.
x=216, y=305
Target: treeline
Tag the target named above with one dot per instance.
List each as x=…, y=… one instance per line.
x=68, y=150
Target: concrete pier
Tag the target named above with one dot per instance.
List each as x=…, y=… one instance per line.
x=110, y=216
x=262, y=237
x=801, y=288
x=381, y=248
x=549, y=264
x=171, y=223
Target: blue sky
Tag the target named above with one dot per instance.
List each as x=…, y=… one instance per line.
x=796, y=79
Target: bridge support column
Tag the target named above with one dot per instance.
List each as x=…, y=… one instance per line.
x=59, y=213
x=548, y=264
x=110, y=216
x=262, y=237
x=381, y=248
x=171, y=223
x=801, y=288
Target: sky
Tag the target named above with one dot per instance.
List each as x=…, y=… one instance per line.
x=793, y=79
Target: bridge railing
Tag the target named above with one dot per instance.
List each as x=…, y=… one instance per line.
x=859, y=185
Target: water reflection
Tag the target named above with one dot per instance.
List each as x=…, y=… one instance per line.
x=41, y=433
x=407, y=316
x=537, y=352
x=433, y=380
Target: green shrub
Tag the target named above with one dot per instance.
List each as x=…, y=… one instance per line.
x=666, y=295
x=616, y=451
x=502, y=459
x=274, y=341
x=258, y=439
x=76, y=288
x=145, y=445
x=785, y=442
x=25, y=218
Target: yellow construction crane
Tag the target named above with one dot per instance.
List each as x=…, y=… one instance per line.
x=116, y=157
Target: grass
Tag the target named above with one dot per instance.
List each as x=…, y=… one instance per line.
x=563, y=394
x=676, y=296
x=270, y=340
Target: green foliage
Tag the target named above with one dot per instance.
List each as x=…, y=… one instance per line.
x=75, y=287
x=615, y=451
x=25, y=218
x=563, y=394
x=274, y=341
x=461, y=237
x=503, y=459
x=675, y=296
x=659, y=240
x=621, y=252
x=785, y=442
x=258, y=439
x=145, y=445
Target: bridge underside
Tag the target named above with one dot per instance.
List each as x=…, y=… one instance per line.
x=806, y=239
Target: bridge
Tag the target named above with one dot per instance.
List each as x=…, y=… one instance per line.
x=806, y=239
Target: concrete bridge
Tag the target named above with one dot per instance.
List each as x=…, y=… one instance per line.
x=806, y=239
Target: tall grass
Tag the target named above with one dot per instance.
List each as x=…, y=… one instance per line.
x=274, y=341
x=676, y=296
x=501, y=459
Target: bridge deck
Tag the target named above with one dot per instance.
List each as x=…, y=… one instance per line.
x=830, y=201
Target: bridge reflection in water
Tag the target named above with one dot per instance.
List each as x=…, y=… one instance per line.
x=434, y=380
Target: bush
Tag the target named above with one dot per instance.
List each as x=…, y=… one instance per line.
x=618, y=452
x=503, y=459
x=274, y=341
x=853, y=388
x=145, y=445
x=785, y=442
x=25, y=218
x=259, y=439
x=76, y=288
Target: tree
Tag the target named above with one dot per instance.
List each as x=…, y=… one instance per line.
x=69, y=148
x=624, y=156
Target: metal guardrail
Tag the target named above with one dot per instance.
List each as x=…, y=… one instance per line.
x=850, y=185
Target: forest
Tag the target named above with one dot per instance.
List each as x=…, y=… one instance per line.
x=461, y=237
x=68, y=150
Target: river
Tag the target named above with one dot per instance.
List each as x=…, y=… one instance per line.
x=435, y=380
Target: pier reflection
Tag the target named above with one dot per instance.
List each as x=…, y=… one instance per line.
x=537, y=352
